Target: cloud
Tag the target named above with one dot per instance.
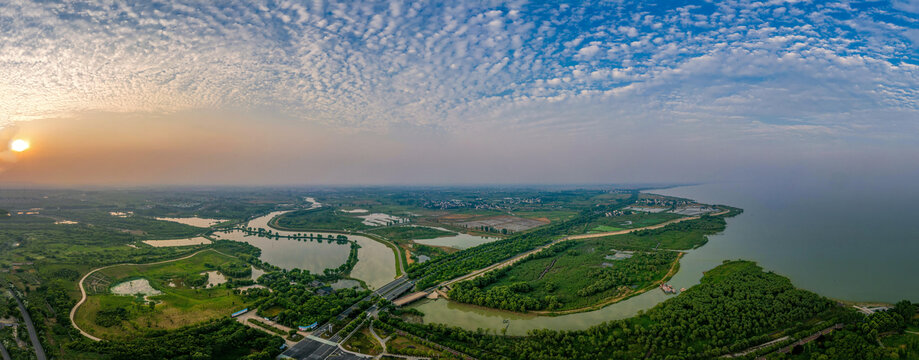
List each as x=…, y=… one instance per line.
x=381, y=66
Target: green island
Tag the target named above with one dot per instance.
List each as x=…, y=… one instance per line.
x=317, y=219
x=405, y=233
x=552, y=253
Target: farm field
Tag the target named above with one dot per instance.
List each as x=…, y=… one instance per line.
x=504, y=222
x=183, y=300
x=632, y=221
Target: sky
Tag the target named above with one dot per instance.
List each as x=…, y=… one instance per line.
x=456, y=92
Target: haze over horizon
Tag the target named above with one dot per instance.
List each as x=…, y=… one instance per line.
x=286, y=93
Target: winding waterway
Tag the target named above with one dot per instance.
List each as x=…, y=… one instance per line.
x=837, y=241
x=376, y=264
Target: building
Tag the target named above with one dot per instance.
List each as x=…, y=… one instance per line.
x=324, y=291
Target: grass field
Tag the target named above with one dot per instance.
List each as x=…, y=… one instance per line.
x=604, y=228
x=176, y=307
x=680, y=236
x=635, y=220
x=363, y=342
x=579, y=267
x=405, y=346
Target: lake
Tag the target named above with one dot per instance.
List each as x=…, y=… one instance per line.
x=376, y=263
x=843, y=242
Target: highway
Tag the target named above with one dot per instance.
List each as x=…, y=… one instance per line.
x=3, y=353
x=33, y=335
x=314, y=348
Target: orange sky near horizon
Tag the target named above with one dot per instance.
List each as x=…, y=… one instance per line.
x=110, y=149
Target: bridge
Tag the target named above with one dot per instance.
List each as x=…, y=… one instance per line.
x=314, y=347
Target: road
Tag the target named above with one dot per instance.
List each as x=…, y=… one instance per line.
x=73, y=311
x=3, y=353
x=244, y=319
x=33, y=335
x=313, y=347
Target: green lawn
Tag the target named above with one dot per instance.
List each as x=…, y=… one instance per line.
x=637, y=220
x=178, y=306
x=903, y=341
x=363, y=342
x=684, y=235
x=604, y=228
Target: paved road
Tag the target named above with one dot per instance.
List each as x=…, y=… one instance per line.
x=314, y=349
x=33, y=335
x=3, y=353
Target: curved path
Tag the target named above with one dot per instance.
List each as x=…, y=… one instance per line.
x=83, y=290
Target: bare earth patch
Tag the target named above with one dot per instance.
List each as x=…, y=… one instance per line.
x=178, y=242
x=134, y=287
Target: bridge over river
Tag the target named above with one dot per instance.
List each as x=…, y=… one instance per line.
x=315, y=347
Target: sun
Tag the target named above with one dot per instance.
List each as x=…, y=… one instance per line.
x=19, y=145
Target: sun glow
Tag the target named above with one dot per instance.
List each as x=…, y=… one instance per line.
x=19, y=145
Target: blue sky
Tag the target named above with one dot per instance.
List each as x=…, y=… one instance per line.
x=697, y=78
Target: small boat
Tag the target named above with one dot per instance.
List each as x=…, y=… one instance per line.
x=667, y=288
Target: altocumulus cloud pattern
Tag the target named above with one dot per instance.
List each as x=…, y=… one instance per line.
x=761, y=66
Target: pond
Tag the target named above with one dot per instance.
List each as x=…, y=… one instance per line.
x=459, y=241
x=345, y=284
x=289, y=253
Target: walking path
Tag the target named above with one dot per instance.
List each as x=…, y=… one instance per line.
x=806, y=340
x=754, y=348
x=73, y=311
x=244, y=319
